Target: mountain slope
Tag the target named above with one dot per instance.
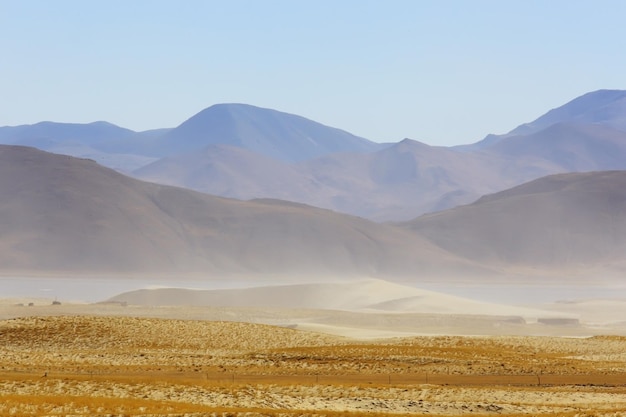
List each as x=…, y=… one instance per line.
x=570, y=221
x=235, y=172
x=245, y=152
x=398, y=182
x=407, y=179
x=567, y=148
x=601, y=108
x=45, y=134
x=60, y=213
x=278, y=135
x=403, y=180
x=106, y=143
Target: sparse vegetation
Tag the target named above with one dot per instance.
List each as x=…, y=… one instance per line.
x=84, y=366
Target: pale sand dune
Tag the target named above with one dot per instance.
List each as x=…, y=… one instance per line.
x=600, y=312
x=356, y=325
x=365, y=296
x=370, y=309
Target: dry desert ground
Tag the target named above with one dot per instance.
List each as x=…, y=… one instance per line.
x=92, y=362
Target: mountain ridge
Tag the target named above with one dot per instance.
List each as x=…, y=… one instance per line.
x=605, y=107
x=382, y=182
x=279, y=135
x=572, y=221
x=63, y=214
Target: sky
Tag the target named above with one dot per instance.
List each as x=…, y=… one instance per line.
x=442, y=72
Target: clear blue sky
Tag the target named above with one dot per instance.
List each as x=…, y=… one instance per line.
x=443, y=72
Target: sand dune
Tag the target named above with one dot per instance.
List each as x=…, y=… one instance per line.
x=595, y=312
x=363, y=296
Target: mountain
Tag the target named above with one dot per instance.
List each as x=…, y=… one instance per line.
x=281, y=136
x=401, y=181
x=570, y=222
x=602, y=107
x=121, y=162
x=564, y=147
x=62, y=214
x=235, y=172
x=246, y=152
x=398, y=182
x=106, y=143
x=45, y=134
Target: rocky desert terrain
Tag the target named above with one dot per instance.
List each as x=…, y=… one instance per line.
x=71, y=364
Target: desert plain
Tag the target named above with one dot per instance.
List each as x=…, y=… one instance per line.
x=122, y=359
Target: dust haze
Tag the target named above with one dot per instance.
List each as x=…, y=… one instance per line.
x=354, y=307
x=323, y=255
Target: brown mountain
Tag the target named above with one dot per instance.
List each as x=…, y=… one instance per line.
x=404, y=180
x=398, y=182
x=59, y=213
x=401, y=181
x=573, y=222
x=409, y=178
x=235, y=172
x=245, y=152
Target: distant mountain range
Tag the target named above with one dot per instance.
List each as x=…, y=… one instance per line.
x=60, y=214
x=602, y=107
x=281, y=136
x=109, y=145
x=246, y=152
x=573, y=223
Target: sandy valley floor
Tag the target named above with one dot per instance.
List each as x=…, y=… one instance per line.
x=98, y=360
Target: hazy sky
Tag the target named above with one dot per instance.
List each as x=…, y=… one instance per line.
x=443, y=72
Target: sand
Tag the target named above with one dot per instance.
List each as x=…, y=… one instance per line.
x=372, y=295
x=373, y=349
x=107, y=365
x=365, y=309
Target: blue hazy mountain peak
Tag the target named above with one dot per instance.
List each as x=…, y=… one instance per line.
x=272, y=133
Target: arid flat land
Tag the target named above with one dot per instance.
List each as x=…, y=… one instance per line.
x=89, y=365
